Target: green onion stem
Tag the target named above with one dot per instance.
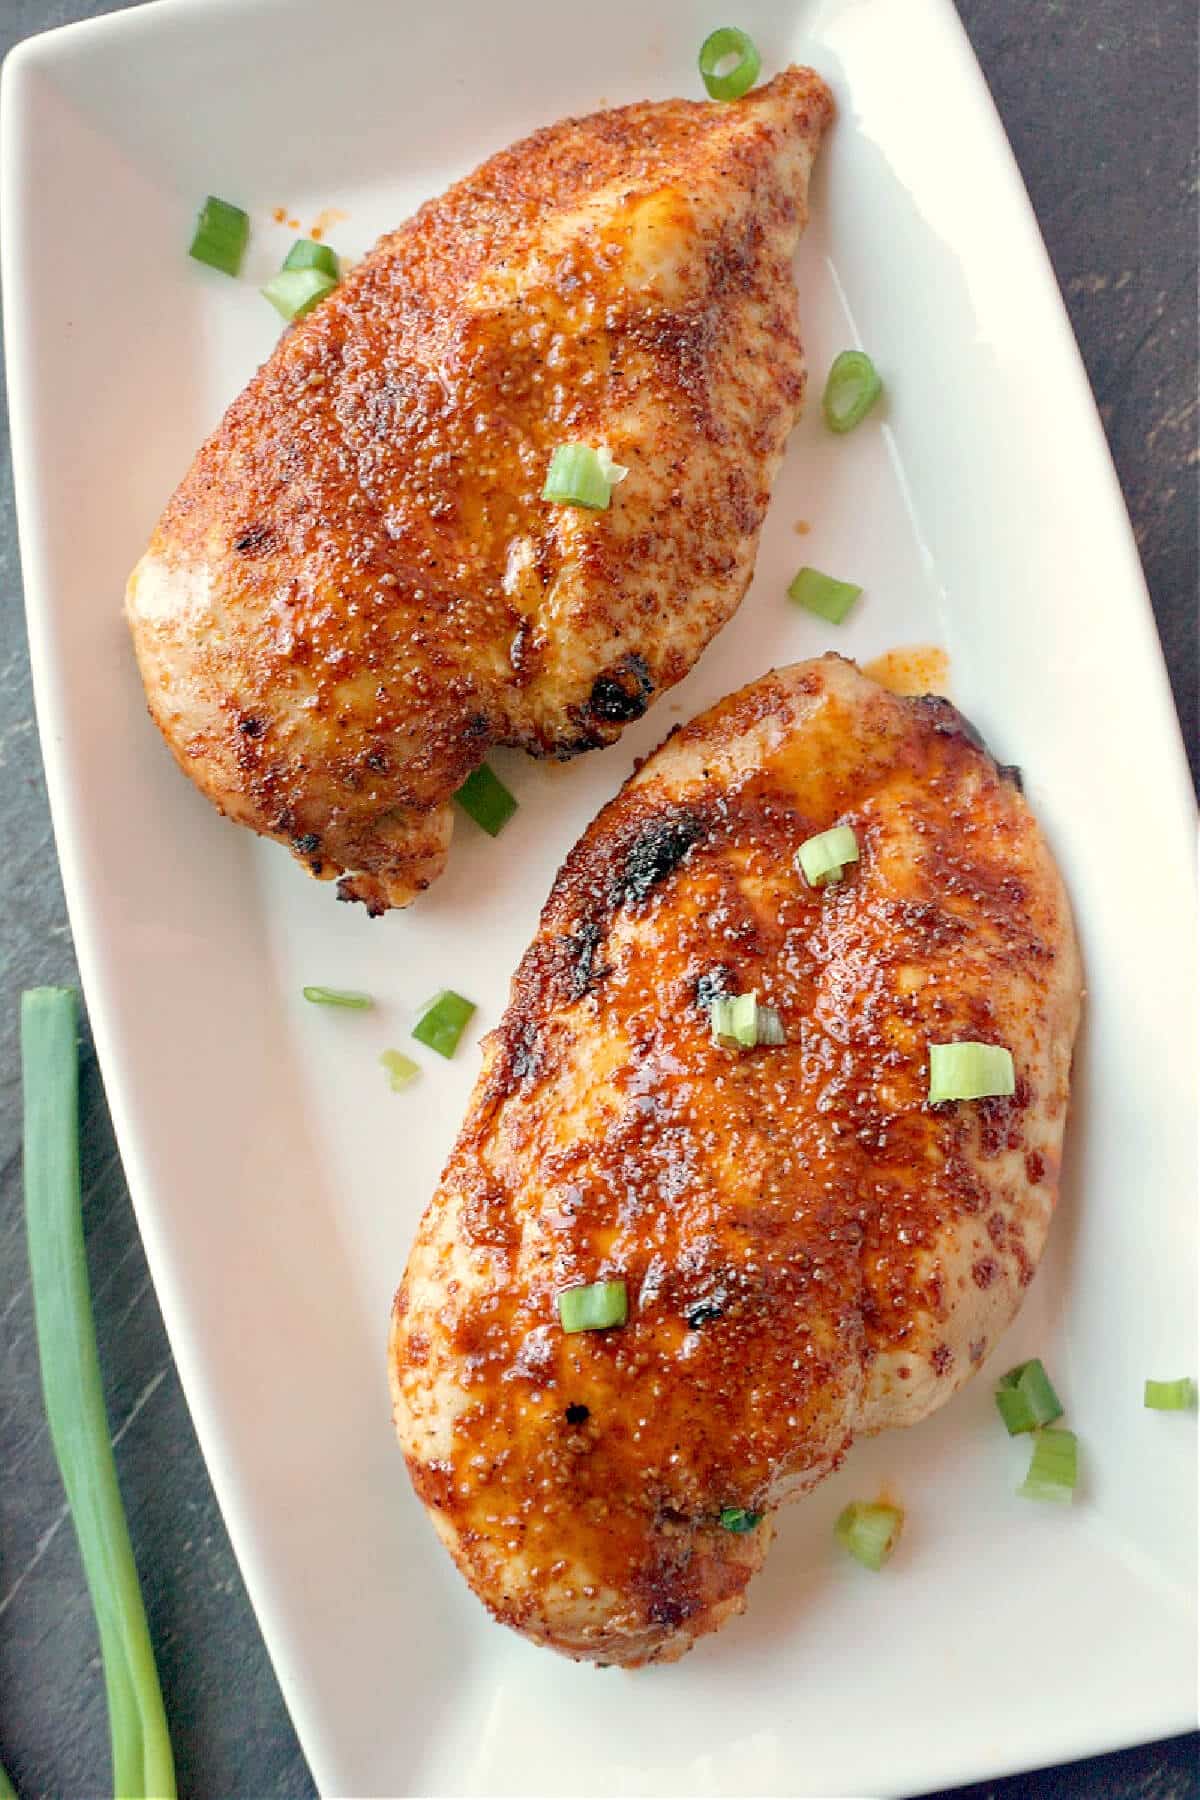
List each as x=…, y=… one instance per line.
x=294, y=292
x=851, y=390
x=7, y=1790
x=822, y=859
x=401, y=1069
x=969, y=1071
x=822, y=594
x=869, y=1532
x=738, y=1519
x=1025, y=1398
x=729, y=63
x=328, y=996
x=222, y=232
x=305, y=254
x=484, y=798
x=581, y=476
x=738, y=1021
x=1053, y=1467
x=1170, y=1396
x=442, y=1022
x=596, y=1307
x=66, y=1335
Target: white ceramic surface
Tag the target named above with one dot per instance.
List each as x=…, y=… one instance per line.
x=276, y=1178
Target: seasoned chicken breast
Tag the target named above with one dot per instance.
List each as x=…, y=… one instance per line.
x=358, y=587
x=810, y=1249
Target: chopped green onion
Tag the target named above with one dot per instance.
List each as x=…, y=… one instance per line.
x=770, y=1027
x=739, y=1022
x=729, y=63
x=851, y=390
x=484, y=798
x=969, y=1072
x=737, y=1518
x=1053, y=1467
x=326, y=996
x=7, y=1790
x=613, y=472
x=442, y=1021
x=1026, y=1399
x=821, y=859
x=581, y=476
x=1170, y=1396
x=401, y=1069
x=869, y=1532
x=222, y=232
x=294, y=292
x=593, y=1308
x=306, y=253
x=822, y=595
x=74, y=1395
x=734, y=1020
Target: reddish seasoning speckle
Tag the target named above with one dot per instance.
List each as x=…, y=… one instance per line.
x=1035, y=1167
x=1024, y=1263
x=941, y=1356
x=985, y=1271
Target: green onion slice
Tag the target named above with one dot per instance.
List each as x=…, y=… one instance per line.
x=1053, y=1467
x=306, y=253
x=738, y=1518
x=729, y=63
x=822, y=595
x=442, y=1021
x=1170, y=1396
x=484, y=798
x=222, y=233
x=851, y=390
x=770, y=1027
x=613, y=472
x=870, y=1532
x=327, y=996
x=739, y=1022
x=1026, y=1398
x=734, y=1020
x=969, y=1072
x=294, y=292
x=7, y=1790
x=74, y=1396
x=593, y=1308
x=581, y=476
x=822, y=859
x=401, y=1069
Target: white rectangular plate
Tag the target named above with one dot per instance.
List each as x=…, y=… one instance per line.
x=276, y=1178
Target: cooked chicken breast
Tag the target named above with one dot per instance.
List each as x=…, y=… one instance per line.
x=358, y=587
x=810, y=1249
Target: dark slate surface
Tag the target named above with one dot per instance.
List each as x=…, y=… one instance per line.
x=1099, y=99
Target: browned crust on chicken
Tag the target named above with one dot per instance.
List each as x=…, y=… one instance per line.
x=811, y=1250
x=358, y=587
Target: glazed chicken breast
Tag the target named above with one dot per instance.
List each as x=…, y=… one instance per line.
x=810, y=1249
x=358, y=587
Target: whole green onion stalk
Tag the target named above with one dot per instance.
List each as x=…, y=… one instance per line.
x=143, y=1767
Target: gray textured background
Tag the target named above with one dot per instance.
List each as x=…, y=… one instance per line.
x=1099, y=99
